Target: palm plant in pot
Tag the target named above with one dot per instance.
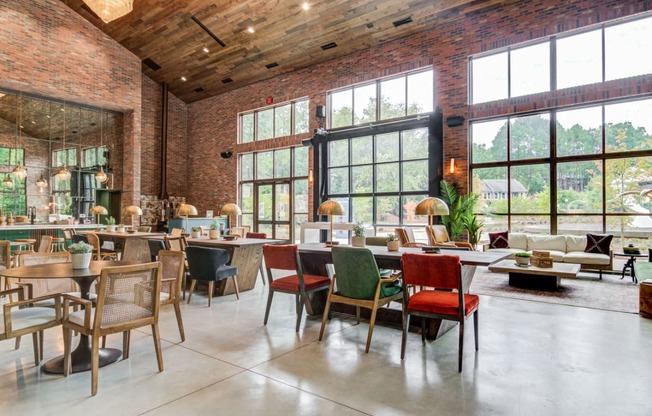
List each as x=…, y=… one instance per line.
x=81, y=254
x=358, y=239
x=214, y=231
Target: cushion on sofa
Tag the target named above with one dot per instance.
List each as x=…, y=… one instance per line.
x=498, y=240
x=580, y=257
x=575, y=243
x=597, y=243
x=518, y=240
x=546, y=242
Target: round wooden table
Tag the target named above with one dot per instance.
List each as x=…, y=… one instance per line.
x=81, y=356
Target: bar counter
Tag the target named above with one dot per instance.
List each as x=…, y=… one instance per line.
x=26, y=230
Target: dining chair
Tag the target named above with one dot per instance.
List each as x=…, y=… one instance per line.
x=438, y=236
x=128, y=298
x=67, y=236
x=286, y=258
x=45, y=246
x=262, y=267
x=178, y=243
x=444, y=298
x=173, y=270
x=5, y=260
x=239, y=231
x=176, y=232
x=154, y=247
x=98, y=252
x=210, y=265
x=144, y=229
x=406, y=237
x=20, y=316
x=204, y=230
x=360, y=284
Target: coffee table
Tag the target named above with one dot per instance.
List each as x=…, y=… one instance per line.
x=531, y=277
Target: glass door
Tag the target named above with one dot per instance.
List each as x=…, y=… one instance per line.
x=274, y=209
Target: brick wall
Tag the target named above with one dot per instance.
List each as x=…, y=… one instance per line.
x=212, y=126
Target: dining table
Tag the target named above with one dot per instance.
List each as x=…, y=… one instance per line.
x=316, y=258
x=131, y=245
x=81, y=356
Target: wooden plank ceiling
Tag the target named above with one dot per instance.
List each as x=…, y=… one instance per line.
x=173, y=34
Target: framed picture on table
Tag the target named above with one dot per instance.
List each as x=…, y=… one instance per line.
x=209, y=213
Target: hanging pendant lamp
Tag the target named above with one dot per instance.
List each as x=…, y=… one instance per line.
x=19, y=172
x=63, y=174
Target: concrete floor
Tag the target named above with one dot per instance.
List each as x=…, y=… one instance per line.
x=534, y=359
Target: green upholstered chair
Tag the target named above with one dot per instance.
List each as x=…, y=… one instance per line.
x=360, y=284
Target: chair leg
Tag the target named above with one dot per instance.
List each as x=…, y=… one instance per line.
x=475, y=328
x=211, y=288
x=270, y=295
x=406, y=326
x=262, y=273
x=37, y=358
x=372, y=321
x=192, y=289
x=235, y=284
x=299, y=312
x=461, y=349
x=17, y=343
x=183, y=285
x=126, y=342
x=95, y=363
x=157, y=346
x=327, y=309
x=357, y=314
x=423, y=330
x=177, y=312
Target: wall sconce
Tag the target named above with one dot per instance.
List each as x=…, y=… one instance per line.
x=451, y=168
x=311, y=178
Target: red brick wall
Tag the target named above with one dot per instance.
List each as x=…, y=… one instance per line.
x=212, y=126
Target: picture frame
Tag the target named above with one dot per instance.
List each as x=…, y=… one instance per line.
x=209, y=213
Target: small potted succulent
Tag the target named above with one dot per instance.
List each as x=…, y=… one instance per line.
x=196, y=232
x=110, y=224
x=522, y=259
x=392, y=242
x=214, y=231
x=121, y=228
x=358, y=239
x=81, y=254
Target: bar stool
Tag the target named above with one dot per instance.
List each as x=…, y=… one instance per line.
x=29, y=243
x=58, y=244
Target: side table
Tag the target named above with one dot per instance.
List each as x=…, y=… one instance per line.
x=630, y=264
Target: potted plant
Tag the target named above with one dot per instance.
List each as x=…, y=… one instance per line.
x=121, y=228
x=392, y=242
x=81, y=254
x=214, y=231
x=522, y=259
x=459, y=207
x=358, y=239
x=110, y=224
x=196, y=232
x=473, y=226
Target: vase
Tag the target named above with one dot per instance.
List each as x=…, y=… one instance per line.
x=195, y=234
x=524, y=261
x=81, y=260
x=392, y=245
x=110, y=228
x=358, y=241
x=121, y=229
x=213, y=234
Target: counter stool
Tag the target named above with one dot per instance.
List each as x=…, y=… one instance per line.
x=29, y=243
x=58, y=244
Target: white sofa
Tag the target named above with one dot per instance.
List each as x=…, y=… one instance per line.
x=562, y=248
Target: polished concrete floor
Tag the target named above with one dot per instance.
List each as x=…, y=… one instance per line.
x=534, y=359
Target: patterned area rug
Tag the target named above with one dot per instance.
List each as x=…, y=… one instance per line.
x=586, y=291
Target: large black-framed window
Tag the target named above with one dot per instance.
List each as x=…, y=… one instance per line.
x=279, y=120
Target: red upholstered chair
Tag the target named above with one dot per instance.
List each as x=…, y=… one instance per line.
x=446, y=301
x=286, y=257
x=263, y=236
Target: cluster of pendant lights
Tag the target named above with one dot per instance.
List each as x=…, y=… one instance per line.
x=63, y=174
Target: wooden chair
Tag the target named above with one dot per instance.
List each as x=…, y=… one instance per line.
x=128, y=298
x=447, y=301
x=204, y=230
x=67, y=236
x=45, y=246
x=359, y=284
x=286, y=258
x=5, y=260
x=20, y=316
x=239, y=231
x=98, y=252
x=176, y=232
x=178, y=243
x=144, y=229
x=262, y=268
x=210, y=265
x=438, y=236
x=406, y=237
x=173, y=271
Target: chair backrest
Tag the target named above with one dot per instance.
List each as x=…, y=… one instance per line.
x=256, y=235
x=437, y=234
x=128, y=296
x=155, y=246
x=5, y=253
x=68, y=233
x=204, y=229
x=356, y=272
x=401, y=233
x=42, y=287
x=281, y=256
x=173, y=266
x=45, y=246
x=79, y=238
x=376, y=241
x=144, y=229
x=94, y=240
x=239, y=231
x=176, y=232
x=175, y=243
x=203, y=262
x=442, y=271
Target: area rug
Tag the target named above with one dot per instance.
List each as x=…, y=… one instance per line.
x=586, y=291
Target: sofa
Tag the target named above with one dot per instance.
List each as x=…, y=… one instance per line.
x=562, y=248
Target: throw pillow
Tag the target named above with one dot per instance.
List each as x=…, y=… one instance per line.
x=498, y=240
x=599, y=244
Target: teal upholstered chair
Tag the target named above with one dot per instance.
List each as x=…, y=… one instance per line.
x=360, y=284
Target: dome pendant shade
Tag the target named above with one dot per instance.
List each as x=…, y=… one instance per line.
x=100, y=176
x=109, y=10
x=63, y=174
x=19, y=172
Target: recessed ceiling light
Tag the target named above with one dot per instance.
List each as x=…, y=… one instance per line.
x=305, y=6
x=205, y=49
x=251, y=29
x=184, y=79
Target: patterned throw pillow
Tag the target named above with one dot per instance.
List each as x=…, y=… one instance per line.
x=598, y=244
x=498, y=240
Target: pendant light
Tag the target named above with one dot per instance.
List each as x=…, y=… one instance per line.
x=100, y=176
x=7, y=182
x=19, y=172
x=41, y=183
x=63, y=174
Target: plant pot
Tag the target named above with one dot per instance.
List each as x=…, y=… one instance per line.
x=195, y=234
x=522, y=260
x=110, y=228
x=81, y=260
x=121, y=229
x=213, y=234
x=358, y=241
x=392, y=245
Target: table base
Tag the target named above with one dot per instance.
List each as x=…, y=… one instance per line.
x=81, y=359
x=534, y=281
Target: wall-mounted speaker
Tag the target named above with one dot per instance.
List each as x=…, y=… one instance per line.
x=226, y=155
x=321, y=111
x=454, y=121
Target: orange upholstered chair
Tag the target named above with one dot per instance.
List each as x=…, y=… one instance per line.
x=286, y=257
x=447, y=301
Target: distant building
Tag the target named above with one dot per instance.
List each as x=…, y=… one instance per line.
x=493, y=189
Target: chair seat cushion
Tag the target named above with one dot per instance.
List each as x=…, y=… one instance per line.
x=113, y=314
x=443, y=303
x=291, y=283
x=27, y=317
x=226, y=271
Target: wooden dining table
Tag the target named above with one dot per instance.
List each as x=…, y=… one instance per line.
x=133, y=246
x=81, y=356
